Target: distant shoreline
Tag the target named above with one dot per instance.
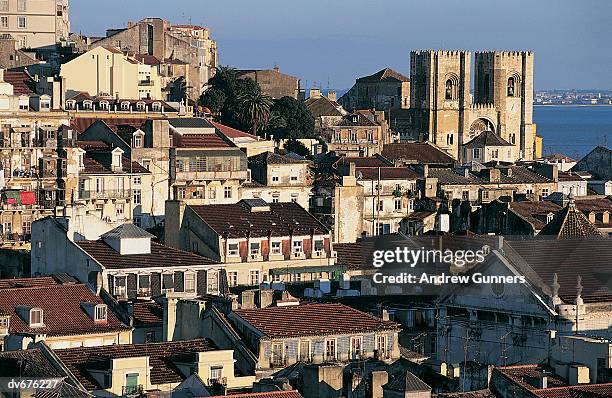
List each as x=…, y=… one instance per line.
x=574, y=105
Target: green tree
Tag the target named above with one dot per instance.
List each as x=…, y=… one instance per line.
x=255, y=109
x=298, y=120
x=213, y=99
x=297, y=147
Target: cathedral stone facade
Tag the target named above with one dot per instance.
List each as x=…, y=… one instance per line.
x=443, y=111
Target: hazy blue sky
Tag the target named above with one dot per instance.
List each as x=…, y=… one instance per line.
x=339, y=40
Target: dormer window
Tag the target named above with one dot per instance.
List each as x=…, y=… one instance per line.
x=87, y=105
x=100, y=313
x=125, y=106
x=36, y=318
x=232, y=249
x=138, y=140
x=104, y=105
x=156, y=107
x=549, y=217
x=255, y=249
x=297, y=247
x=140, y=106
x=70, y=104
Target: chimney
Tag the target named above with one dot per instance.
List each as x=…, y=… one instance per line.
x=543, y=380
x=1, y=75
x=331, y=95
x=248, y=300
x=578, y=374
x=169, y=318
x=315, y=93
x=379, y=379
x=425, y=170
x=276, y=69
x=265, y=297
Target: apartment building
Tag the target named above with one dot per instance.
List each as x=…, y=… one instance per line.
x=35, y=23
x=361, y=133
x=257, y=241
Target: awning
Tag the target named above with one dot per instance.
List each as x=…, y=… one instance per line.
x=27, y=197
x=306, y=270
x=13, y=197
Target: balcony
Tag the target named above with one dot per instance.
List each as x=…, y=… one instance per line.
x=106, y=194
x=211, y=175
x=132, y=391
x=218, y=380
x=146, y=82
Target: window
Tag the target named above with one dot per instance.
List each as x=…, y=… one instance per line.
x=216, y=373
x=150, y=337
x=297, y=246
x=294, y=175
x=294, y=197
x=99, y=185
x=22, y=23
x=511, y=83
x=254, y=277
x=232, y=249
x=276, y=247
x=449, y=89
x=353, y=135
x=144, y=285
x=137, y=196
x=330, y=349
x=305, y=350
x=180, y=193
x=4, y=22
x=167, y=281
x=138, y=141
x=125, y=106
x=356, y=347
x=137, y=180
x=212, y=193
x=274, y=177
x=119, y=210
x=338, y=136
x=4, y=5
x=27, y=227
x=21, y=6
x=120, y=290
x=156, y=107
x=465, y=195
x=227, y=192
x=104, y=105
x=380, y=206
x=397, y=204
x=197, y=164
x=254, y=249
x=36, y=317
x=140, y=106
x=276, y=356
x=232, y=278
x=318, y=245
x=544, y=192
x=476, y=153
x=100, y=313
x=370, y=135
x=381, y=345
x=449, y=139
x=495, y=153
x=131, y=383
x=549, y=217
x=190, y=282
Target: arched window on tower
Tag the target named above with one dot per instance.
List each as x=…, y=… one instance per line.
x=511, y=83
x=449, y=89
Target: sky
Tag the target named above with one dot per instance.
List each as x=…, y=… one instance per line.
x=329, y=43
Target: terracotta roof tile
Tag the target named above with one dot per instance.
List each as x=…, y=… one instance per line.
x=372, y=161
x=62, y=312
x=535, y=212
x=570, y=223
x=322, y=106
x=27, y=363
x=312, y=320
x=21, y=81
x=486, y=138
x=95, y=166
x=580, y=391
x=386, y=173
x=160, y=256
x=163, y=369
x=417, y=152
x=231, y=132
x=237, y=220
x=386, y=74
x=147, y=313
x=266, y=158
x=269, y=394
x=527, y=376
x=201, y=141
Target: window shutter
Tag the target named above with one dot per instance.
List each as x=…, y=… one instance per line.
x=111, y=284
x=201, y=282
x=132, y=287
x=179, y=281
x=155, y=284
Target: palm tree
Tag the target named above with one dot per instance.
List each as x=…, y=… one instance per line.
x=255, y=109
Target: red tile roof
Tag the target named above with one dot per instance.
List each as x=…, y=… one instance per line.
x=312, y=320
x=569, y=176
x=386, y=74
x=22, y=83
x=231, y=132
x=94, y=166
x=373, y=161
x=28, y=282
x=266, y=158
x=147, y=313
x=527, y=376
x=269, y=394
x=161, y=361
x=567, y=258
x=201, y=141
x=530, y=211
x=418, y=152
x=80, y=124
x=386, y=173
x=579, y=391
x=147, y=59
x=62, y=312
x=92, y=145
x=237, y=220
x=160, y=256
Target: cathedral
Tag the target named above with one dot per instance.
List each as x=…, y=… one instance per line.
x=444, y=111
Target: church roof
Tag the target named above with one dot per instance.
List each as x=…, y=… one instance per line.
x=486, y=138
x=570, y=223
